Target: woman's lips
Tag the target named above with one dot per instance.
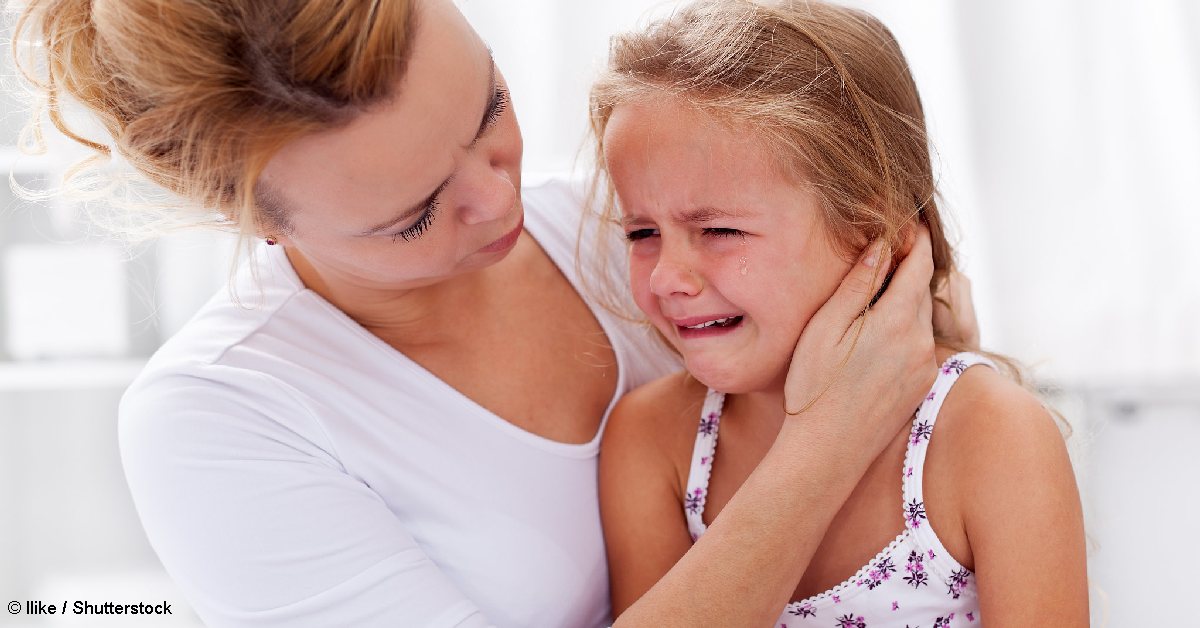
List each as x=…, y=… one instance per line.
x=506, y=241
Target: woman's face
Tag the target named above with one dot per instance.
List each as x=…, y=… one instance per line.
x=728, y=258
x=422, y=187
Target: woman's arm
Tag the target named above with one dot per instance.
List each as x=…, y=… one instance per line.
x=858, y=379
x=260, y=525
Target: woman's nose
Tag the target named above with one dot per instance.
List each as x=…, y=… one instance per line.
x=488, y=194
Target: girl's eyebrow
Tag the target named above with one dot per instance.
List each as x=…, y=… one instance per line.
x=709, y=214
x=699, y=215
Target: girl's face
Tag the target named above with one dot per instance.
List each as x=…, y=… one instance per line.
x=728, y=258
x=423, y=186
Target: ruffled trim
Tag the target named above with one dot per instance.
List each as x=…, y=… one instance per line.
x=826, y=597
x=941, y=565
x=706, y=447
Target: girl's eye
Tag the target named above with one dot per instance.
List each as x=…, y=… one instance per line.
x=722, y=232
x=640, y=234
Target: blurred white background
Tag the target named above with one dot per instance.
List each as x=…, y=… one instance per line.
x=1068, y=136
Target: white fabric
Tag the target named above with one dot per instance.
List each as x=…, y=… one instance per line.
x=913, y=581
x=293, y=470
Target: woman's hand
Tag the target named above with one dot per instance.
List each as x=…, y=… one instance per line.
x=862, y=371
x=954, y=313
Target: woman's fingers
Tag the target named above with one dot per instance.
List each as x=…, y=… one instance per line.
x=869, y=372
x=911, y=280
x=954, y=312
x=858, y=288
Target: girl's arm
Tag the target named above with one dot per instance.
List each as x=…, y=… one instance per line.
x=1020, y=508
x=865, y=386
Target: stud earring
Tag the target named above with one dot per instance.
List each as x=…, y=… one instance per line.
x=271, y=241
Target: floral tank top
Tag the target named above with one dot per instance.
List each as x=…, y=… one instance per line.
x=913, y=581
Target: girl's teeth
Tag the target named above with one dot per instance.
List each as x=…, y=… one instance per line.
x=719, y=321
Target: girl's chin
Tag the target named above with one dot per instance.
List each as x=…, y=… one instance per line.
x=735, y=381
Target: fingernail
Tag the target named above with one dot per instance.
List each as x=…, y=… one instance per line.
x=871, y=257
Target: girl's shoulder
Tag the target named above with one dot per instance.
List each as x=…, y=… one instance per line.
x=986, y=412
x=994, y=443
x=658, y=417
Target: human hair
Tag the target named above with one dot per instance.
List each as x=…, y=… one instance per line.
x=198, y=96
x=825, y=87
x=828, y=91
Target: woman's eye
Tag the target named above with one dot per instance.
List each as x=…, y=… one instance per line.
x=640, y=234
x=722, y=232
x=498, y=105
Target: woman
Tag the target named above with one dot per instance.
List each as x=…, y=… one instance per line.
x=395, y=418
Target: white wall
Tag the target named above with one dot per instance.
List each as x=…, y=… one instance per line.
x=1069, y=143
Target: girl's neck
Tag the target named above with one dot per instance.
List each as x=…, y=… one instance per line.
x=764, y=406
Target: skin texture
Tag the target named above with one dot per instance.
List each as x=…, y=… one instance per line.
x=459, y=310
x=1000, y=489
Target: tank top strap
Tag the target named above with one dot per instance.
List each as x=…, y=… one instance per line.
x=702, y=462
x=922, y=431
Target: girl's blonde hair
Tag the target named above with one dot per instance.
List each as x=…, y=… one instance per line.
x=825, y=87
x=198, y=96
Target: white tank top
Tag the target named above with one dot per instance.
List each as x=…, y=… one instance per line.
x=913, y=581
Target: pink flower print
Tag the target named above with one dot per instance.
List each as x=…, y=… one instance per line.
x=957, y=583
x=837, y=599
x=908, y=472
x=709, y=423
x=970, y=616
x=703, y=460
x=955, y=366
x=879, y=572
x=921, y=432
x=930, y=396
x=917, y=575
x=695, y=501
x=931, y=554
x=914, y=513
x=850, y=621
x=895, y=605
x=804, y=610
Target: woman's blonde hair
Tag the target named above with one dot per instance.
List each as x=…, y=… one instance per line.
x=198, y=96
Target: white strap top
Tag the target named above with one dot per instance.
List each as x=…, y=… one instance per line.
x=913, y=580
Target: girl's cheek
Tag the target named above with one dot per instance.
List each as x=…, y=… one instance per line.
x=640, y=268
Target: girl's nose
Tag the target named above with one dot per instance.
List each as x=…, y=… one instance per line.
x=671, y=278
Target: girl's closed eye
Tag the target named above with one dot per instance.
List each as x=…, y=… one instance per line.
x=640, y=234
x=724, y=232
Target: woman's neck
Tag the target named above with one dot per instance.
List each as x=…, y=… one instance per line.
x=424, y=315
